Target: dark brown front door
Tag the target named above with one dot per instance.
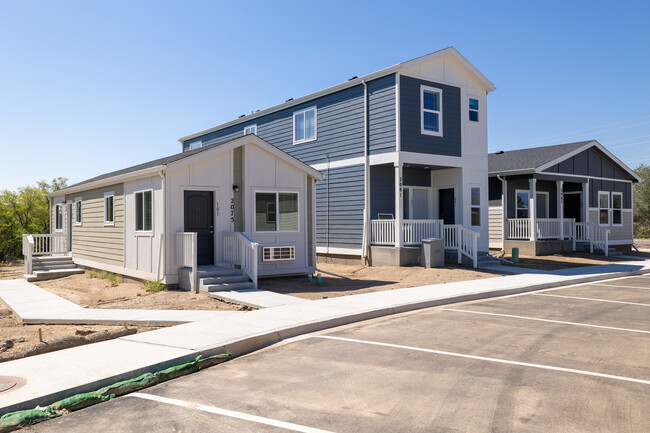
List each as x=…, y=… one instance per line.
x=446, y=205
x=199, y=218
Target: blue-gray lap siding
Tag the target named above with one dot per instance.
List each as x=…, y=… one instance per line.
x=341, y=206
x=340, y=129
x=412, y=139
x=593, y=162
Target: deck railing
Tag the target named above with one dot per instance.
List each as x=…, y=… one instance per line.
x=239, y=249
x=518, y=228
x=187, y=255
x=382, y=232
x=42, y=245
x=416, y=230
x=596, y=235
x=545, y=228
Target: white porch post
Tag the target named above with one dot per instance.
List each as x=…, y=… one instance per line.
x=399, y=239
x=560, y=206
x=504, y=209
x=532, y=209
x=585, y=202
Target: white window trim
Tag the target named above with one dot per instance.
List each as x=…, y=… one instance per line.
x=56, y=213
x=472, y=206
x=251, y=127
x=277, y=210
x=608, y=208
x=547, y=208
x=106, y=195
x=305, y=140
x=474, y=122
x=135, y=196
x=613, y=209
x=422, y=110
x=78, y=216
x=517, y=191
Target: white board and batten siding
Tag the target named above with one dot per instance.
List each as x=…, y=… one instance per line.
x=265, y=173
x=93, y=240
x=496, y=226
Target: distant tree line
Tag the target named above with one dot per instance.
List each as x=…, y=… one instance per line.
x=642, y=203
x=25, y=211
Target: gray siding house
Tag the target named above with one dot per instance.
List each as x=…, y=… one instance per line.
x=403, y=153
x=551, y=199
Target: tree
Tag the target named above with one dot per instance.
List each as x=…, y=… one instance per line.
x=642, y=203
x=25, y=211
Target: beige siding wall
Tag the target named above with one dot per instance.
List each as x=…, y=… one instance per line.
x=496, y=227
x=616, y=233
x=92, y=240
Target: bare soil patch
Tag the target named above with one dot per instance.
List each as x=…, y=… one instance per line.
x=11, y=270
x=575, y=259
x=365, y=279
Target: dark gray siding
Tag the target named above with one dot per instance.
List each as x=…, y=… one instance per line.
x=591, y=162
x=343, y=206
x=382, y=190
x=596, y=185
x=412, y=139
x=541, y=186
x=381, y=115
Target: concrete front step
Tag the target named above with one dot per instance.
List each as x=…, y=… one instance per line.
x=48, y=275
x=225, y=279
x=226, y=286
x=52, y=266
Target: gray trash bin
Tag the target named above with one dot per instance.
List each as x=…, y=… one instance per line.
x=433, y=252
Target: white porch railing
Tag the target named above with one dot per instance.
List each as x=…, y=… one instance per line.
x=596, y=235
x=462, y=239
x=239, y=249
x=545, y=228
x=416, y=230
x=186, y=255
x=568, y=230
x=41, y=245
x=518, y=228
x=382, y=232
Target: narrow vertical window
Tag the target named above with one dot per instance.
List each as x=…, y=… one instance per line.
x=473, y=110
x=304, y=125
x=522, y=204
x=143, y=211
x=617, y=208
x=431, y=110
x=109, y=211
x=476, y=206
x=77, y=211
x=603, y=208
x=58, y=217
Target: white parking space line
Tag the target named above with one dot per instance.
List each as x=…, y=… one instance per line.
x=615, y=285
x=230, y=413
x=496, y=360
x=547, y=320
x=591, y=299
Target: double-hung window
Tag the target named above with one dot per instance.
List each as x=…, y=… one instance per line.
x=304, y=125
x=143, y=211
x=603, y=208
x=522, y=203
x=276, y=211
x=58, y=217
x=476, y=206
x=431, y=110
x=252, y=129
x=617, y=208
x=77, y=211
x=109, y=211
x=473, y=110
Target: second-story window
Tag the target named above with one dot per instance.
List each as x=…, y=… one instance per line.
x=252, y=129
x=473, y=110
x=431, y=110
x=304, y=125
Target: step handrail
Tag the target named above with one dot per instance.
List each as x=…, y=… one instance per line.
x=241, y=250
x=462, y=239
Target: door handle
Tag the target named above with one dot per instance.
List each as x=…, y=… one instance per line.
x=211, y=232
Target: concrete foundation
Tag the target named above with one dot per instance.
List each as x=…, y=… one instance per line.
x=538, y=248
x=339, y=259
x=391, y=256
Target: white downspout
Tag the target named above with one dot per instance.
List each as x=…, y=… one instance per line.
x=504, y=207
x=161, y=248
x=366, y=176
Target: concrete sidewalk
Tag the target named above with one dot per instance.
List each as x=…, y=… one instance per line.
x=56, y=375
x=256, y=298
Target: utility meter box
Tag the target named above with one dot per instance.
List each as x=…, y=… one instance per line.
x=433, y=253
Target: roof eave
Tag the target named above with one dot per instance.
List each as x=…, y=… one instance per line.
x=107, y=181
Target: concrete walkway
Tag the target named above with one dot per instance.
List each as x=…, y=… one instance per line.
x=256, y=298
x=60, y=374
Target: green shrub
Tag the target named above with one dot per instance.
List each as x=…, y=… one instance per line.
x=154, y=286
x=114, y=279
x=92, y=274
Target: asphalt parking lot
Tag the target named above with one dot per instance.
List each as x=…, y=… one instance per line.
x=571, y=359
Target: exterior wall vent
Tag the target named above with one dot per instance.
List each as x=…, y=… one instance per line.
x=278, y=254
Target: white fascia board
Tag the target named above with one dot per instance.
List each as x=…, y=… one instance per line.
x=241, y=141
x=512, y=172
x=108, y=181
x=593, y=143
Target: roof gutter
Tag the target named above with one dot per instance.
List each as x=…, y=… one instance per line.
x=108, y=181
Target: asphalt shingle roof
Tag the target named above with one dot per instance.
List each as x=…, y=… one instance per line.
x=529, y=159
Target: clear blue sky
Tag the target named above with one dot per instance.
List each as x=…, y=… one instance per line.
x=88, y=87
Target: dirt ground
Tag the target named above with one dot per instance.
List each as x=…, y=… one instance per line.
x=569, y=260
x=368, y=279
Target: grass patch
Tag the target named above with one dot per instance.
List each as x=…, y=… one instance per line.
x=154, y=286
x=112, y=278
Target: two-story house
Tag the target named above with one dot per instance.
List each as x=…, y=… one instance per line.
x=403, y=153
